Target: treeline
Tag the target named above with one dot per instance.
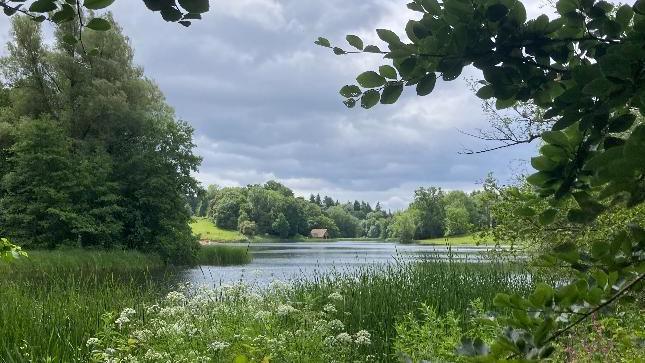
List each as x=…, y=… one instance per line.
x=90, y=153
x=436, y=213
x=273, y=209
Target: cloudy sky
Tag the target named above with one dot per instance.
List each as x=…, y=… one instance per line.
x=264, y=101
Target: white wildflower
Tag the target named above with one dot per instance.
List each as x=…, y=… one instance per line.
x=330, y=341
x=153, y=309
x=336, y=325
x=344, y=338
x=284, y=310
x=92, y=342
x=335, y=296
x=362, y=337
x=176, y=297
x=124, y=318
x=329, y=308
x=218, y=346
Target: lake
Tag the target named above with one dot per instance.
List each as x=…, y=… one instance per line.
x=293, y=260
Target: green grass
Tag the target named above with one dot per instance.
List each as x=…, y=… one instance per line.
x=207, y=230
x=223, y=255
x=376, y=298
x=463, y=240
x=52, y=301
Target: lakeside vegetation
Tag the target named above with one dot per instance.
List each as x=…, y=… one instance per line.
x=92, y=157
x=52, y=301
x=222, y=255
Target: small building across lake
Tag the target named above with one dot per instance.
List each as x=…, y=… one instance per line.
x=319, y=233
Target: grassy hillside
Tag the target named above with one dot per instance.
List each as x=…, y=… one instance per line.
x=463, y=240
x=206, y=229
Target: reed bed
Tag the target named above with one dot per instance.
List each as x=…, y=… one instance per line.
x=52, y=301
x=375, y=298
x=223, y=255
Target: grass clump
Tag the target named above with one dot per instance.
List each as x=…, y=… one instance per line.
x=52, y=301
x=223, y=255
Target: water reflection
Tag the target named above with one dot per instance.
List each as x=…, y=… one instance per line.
x=295, y=260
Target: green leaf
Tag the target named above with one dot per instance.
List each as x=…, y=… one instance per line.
x=624, y=15
x=70, y=39
x=496, y=12
x=486, y=92
x=372, y=49
x=502, y=301
x=594, y=296
x=339, y=51
x=387, y=72
x=558, y=138
x=426, y=84
x=548, y=216
x=171, y=14
x=639, y=7
x=598, y=87
x=388, y=36
x=370, y=79
x=350, y=102
x=355, y=41
x=538, y=179
x=566, y=6
x=97, y=4
x=542, y=294
x=323, y=42
x=65, y=14
x=350, y=91
x=622, y=123
x=195, y=6
x=391, y=93
x=99, y=24
x=370, y=98
x=43, y=6
x=542, y=163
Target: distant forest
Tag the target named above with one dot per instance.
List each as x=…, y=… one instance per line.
x=273, y=209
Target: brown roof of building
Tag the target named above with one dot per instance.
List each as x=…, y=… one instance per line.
x=319, y=233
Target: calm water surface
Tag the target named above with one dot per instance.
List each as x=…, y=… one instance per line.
x=293, y=260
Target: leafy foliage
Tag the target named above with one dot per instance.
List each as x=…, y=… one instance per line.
x=585, y=69
x=92, y=155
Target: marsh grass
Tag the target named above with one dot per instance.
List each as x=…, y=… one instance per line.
x=223, y=255
x=376, y=298
x=52, y=301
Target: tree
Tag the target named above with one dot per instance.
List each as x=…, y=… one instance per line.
x=348, y=225
x=457, y=220
x=117, y=166
x=428, y=211
x=584, y=68
x=225, y=207
x=403, y=227
x=280, y=226
x=248, y=228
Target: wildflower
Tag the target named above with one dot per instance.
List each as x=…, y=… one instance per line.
x=284, y=310
x=92, y=342
x=124, y=318
x=336, y=325
x=218, y=346
x=330, y=341
x=344, y=338
x=362, y=337
x=153, y=309
x=175, y=297
x=335, y=296
x=329, y=308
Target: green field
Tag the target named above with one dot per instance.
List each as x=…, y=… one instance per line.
x=463, y=240
x=206, y=230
